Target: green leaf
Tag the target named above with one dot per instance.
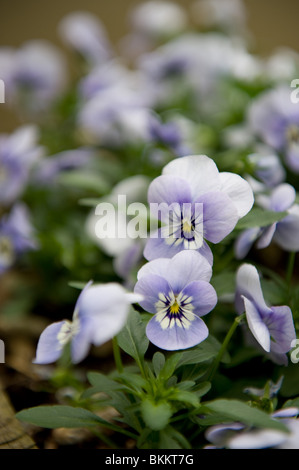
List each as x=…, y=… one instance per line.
x=258, y=217
x=86, y=181
x=56, y=416
x=292, y=403
x=158, y=362
x=156, y=415
x=186, y=397
x=132, y=339
x=202, y=389
x=224, y=283
x=170, y=366
x=236, y=410
x=101, y=384
x=205, y=351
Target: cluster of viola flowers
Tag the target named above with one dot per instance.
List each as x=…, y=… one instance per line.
x=193, y=119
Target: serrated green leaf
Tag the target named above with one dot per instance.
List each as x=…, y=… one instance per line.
x=258, y=217
x=132, y=339
x=236, y=410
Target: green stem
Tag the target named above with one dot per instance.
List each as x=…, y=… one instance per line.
x=117, y=355
x=223, y=348
x=290, y=269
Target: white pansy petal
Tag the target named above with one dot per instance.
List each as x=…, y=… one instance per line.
x=49, y=348
x=256, y=325
x=199, y=171
x=159, y=267
x=258, y=439
x=238, y=190
x=248, y=284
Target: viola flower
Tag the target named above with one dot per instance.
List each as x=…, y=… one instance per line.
x=127, y=252
x=100, y=313
x=275, y=120
x=284, y=233
x=16, y=236
x=18, y=153
x=85, y=33
x=36, y=76
x=194, y=182
x=177, y=291
x=272, y=327
x=238, y=436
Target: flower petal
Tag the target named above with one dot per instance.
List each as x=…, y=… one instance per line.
x=257, y=439
x=202, y=295
x=49, y=348
x=157, y=246
x=256, y=325
x=287, y=230
x=238, y=190
x=199, y=171
x=281, y=327
x=185, y=267
x=177, y=337
x=266, y=237
x=169, y=189
x=150, y=287
x=245, y=241
x=219, y=216
x=282, y=198
x=248, y=285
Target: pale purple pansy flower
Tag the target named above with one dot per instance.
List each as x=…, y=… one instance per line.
x=274, y=118
x=284, y=232
x=267, y=167
x=36, y=76
x=158, y=19
x=16, y=236
x=177, y=291
x=127, y=252
x=100, y=313
x=227, y=15
x=203, y=205
x=238, y=436
x=85, y=33
x=272, y=327
x=116, y=117
x=19, y=151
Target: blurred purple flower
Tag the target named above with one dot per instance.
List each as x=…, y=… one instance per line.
x=284, y=233
x=272, y=327
x=35, y=74
x=16, y=236
x=18, y=153
x=85, y=33
x=275, y=120
x=195, y=181
x=238, y=436
x=177, y=291
x=100, y=313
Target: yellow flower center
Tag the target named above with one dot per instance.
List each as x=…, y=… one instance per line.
x=174, y=308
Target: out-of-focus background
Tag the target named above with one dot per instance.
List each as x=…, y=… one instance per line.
x=272, y=24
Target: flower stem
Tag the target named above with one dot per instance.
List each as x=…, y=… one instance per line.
x=223, y=348
x=290, y=269
x=117, y=355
